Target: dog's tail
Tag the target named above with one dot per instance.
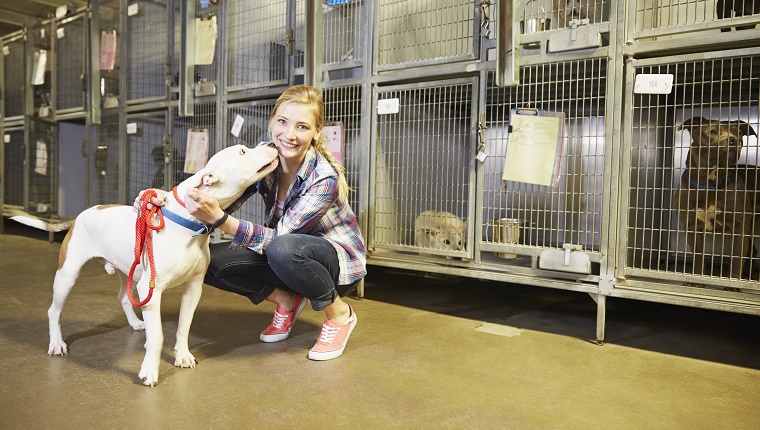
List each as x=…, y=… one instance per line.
x=42, y=225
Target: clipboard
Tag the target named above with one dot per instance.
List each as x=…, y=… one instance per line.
x=535, y=145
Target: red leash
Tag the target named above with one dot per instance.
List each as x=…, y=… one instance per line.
x=144, y=238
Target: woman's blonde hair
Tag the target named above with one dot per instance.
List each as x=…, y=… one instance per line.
x=312, y=97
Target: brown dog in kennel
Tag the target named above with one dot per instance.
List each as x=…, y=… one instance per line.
x=736, y=8
x=716, y=194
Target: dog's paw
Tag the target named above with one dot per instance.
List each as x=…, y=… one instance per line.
x=137, y=325
x=57, y=348
x=184, y=359
x=149, y=377
x=693, y=285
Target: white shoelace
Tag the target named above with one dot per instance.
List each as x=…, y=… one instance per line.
x=278, y=320
x=328, y=333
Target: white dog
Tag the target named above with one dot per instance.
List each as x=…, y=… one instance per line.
x=440, y=230
x=108, y=234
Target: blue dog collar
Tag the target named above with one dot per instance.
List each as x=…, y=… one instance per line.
x=197, y=227
x=729, y=179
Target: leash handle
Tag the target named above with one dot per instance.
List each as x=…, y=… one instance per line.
x=144, y=239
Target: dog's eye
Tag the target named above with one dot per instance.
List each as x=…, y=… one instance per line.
x=713, y=131
x=242, y=151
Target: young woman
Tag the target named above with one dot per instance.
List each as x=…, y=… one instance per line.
x=310, y=247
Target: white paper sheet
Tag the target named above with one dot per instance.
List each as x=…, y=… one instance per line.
x=41, y=158
x=38, y=68
x=205, y=40
x=532, y=149
x=196, y=153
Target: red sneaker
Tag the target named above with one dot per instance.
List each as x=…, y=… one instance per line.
x=333, y=339
x=282, y=322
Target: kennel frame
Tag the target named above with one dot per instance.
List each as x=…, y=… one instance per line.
x=664, y=286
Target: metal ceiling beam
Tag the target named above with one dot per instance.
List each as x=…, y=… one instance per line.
x=51, y=3
x=14, y=18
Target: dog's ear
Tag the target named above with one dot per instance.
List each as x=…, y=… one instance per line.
x=209, y=178
x=693, y=122
x=746, y=129
x=206, y=176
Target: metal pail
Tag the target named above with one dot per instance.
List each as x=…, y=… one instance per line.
x=506, y=230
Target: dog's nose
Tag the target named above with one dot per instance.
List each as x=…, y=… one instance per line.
x=271, y=145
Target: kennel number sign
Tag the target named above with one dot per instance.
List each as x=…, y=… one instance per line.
x=653, y=84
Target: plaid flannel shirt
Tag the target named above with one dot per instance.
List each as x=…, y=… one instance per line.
x=311, y=207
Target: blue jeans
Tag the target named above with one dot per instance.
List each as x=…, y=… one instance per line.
x=298, y=263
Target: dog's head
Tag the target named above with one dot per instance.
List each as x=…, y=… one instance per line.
x=230, y=171
x=453, y=241
x=719, y=134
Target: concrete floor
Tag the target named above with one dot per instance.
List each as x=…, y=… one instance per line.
x=427, y=353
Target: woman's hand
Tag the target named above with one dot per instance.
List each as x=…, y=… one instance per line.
x=202, y=206
x=154, y=201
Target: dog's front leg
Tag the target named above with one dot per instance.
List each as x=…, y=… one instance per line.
x=190, y=298
x=696, y=243
x=741, y=250
x=154, y=335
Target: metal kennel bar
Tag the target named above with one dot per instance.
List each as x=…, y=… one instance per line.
x=655, y=259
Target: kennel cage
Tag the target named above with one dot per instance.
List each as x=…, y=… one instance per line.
x=14, y=71
x=70, y=48
x=193, y=139
x=661, y=27
x=258, y=44
x=206, y=69
x=567, y=211
x=147, y=45
x=13, y=173
x=344, y=116
x=103, y=143
x=717, y=86
x=424, y=160
x=146, y=163
x=411, y=33
x=248, y=124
